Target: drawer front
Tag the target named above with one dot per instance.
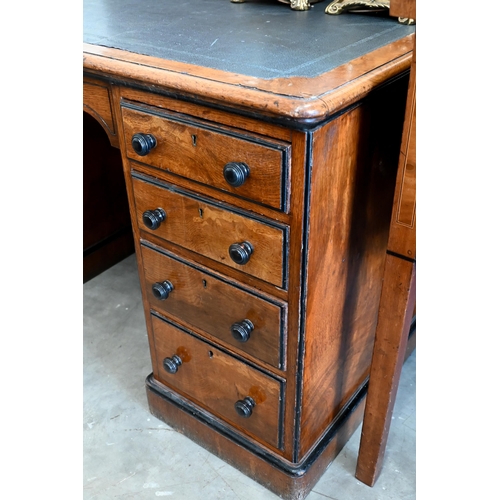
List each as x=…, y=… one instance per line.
x=211, y=231
x=200, y=300
x=205, y=154
x=218, y=382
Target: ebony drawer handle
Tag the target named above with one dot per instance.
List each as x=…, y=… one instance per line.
x=153, y=218
x=241, y=331
x=143, y=143
x=244, y=407
x=172, y=364
x=240, y=252
x=236, y=173
x=162, y=289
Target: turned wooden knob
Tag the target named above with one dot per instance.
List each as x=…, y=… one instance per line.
x=236, y=173
x=240, y=253
x=244, y=407
x=241, y=330
x=162, y=289
x=153, y=218
x=172, y=364
x=143, y=143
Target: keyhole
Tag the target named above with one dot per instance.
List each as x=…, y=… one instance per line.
x=210, y=354
x=204, y=283
x=201, y=212
x=193, y=138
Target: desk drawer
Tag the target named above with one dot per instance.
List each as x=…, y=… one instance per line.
x=258, y=246
x=209, y=155
x=201, y=300
x=218, y=382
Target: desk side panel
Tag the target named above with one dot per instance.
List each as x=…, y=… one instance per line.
x=402, y=238
x=353, y=171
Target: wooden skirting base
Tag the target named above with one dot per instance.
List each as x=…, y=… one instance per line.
x=287, y=480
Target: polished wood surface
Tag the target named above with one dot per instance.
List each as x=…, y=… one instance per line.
x=322, y=153
x=162, y=103
x=97, y=102
x=351, y=199
x=293, y=482
x=199, y=152
x=210, y=230
x=403, y=8
x=208, y=303
x=397, y=303
x=402, y=240
x=216, y=381
x=395, y=315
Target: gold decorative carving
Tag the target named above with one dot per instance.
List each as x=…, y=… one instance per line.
x=406, y=20
x=294, y=4
x=339, y=6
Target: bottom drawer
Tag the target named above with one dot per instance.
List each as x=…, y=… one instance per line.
x=246, y=397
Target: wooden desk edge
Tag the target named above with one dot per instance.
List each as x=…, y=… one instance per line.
x=305, y=101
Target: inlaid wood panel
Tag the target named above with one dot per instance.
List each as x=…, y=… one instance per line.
x=210, y=230
x=402, y=239
x=217, y=381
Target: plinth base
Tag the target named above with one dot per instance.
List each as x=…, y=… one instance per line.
x=285, y=479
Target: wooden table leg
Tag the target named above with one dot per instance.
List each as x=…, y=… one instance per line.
x=395, y=314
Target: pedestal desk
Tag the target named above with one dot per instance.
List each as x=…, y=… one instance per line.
x=260, y=148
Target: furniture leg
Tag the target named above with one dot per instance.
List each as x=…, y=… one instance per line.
x=395, y=314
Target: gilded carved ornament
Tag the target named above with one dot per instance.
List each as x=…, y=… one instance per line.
x=339, y=6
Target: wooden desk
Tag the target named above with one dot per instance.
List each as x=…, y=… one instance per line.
x=260, y=150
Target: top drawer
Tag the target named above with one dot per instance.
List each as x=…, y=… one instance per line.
x=242, y=164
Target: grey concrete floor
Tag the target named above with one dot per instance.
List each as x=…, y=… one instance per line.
x=129, y=454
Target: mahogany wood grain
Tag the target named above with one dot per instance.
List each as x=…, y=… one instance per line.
x=395, y=314
x=198, y=259
x=210, y=230
x=116, y=100
x=200, y=152
x=298, y=179
x=402, y=239
x=97, y=102
x=300, y=151
x=202, y=301
x=320, y=259
x=287, y=480
x=397, y=304
x=202, y=112
x=354, y=161
x=212, y=194
x=403, y=8
x=216, y=381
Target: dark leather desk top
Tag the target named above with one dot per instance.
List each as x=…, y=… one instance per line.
x=264, y=39
x=260, y=57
